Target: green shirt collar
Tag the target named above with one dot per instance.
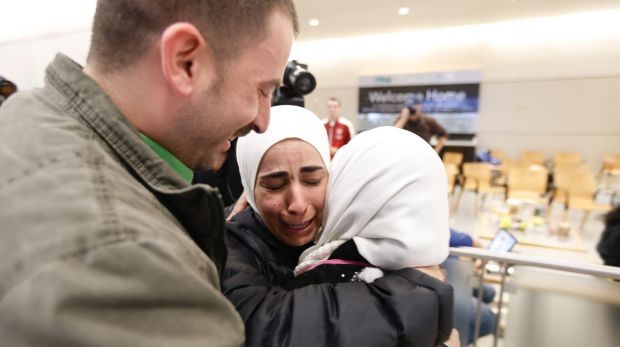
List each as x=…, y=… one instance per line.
x=174, y=162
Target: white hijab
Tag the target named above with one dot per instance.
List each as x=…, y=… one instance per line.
x=286, y=122
x=388, y=192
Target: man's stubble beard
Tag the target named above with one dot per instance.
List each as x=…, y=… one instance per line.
x=214, y=158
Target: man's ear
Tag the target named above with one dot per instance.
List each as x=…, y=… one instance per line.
x=184, y=55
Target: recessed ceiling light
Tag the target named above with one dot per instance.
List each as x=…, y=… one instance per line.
x=314, y=22
x=403, y=11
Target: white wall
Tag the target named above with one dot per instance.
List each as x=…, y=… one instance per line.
x=549, y=84
x=24, y=61
x=34, y=30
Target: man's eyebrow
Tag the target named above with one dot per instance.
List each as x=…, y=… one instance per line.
x=275, y=174
x=311, y=169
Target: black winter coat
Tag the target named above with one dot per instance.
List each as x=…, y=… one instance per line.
x=402, y=308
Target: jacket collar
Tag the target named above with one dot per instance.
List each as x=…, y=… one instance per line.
x=197, y=207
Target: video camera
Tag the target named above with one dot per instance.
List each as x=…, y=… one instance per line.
x=297, y=83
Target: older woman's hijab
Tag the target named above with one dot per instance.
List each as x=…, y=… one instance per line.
x=387, y=191
x=286, y=122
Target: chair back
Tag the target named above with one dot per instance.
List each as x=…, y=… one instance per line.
x=477, y=173
x=533, y=157
x=451, y=171
x=455, y=158
x=566, y=158
x=525, y=182
x=499, y=154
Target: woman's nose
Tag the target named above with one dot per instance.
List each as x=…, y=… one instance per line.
x=297, y=200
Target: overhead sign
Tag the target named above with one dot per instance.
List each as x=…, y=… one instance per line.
x=449, y=97
x=457, y=98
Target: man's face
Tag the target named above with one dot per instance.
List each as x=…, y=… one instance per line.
x=240, y=99
x=333, y=108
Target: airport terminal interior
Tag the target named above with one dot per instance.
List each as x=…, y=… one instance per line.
x=529, y=94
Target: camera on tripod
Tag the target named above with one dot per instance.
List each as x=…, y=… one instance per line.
x=297, y=83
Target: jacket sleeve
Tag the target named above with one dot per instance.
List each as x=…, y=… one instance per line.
x=122, y=294
x=403, y=308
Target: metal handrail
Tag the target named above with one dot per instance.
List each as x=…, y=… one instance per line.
x=537, y=261
x=506, y=260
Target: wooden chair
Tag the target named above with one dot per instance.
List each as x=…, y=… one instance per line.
x=577, y=189
x=533, y=157
x=479, y=178
x=499, y=154
x=561, y=180
x=452, y=171
x=528, y=183
x=567, y=158
x=610, y=169
x=455, y=158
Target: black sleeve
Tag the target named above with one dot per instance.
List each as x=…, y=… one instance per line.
x=404, y=308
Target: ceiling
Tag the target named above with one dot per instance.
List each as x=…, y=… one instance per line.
x=340, y=18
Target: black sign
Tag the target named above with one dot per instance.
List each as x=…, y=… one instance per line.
x=444, y=98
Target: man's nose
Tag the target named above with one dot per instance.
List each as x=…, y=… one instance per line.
x=261, y=122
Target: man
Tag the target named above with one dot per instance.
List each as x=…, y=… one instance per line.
x=339, y=130
x=103, y=241
x=413, y=120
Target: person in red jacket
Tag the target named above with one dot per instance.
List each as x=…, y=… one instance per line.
x=339, y=129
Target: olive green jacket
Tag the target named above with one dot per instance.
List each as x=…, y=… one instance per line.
x=101, y=242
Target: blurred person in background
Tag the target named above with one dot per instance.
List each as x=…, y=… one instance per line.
x=412, y=119
x=339, y=129
x=609, y=245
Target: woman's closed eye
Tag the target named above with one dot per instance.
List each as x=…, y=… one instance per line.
x=273, y=185
x=314, y=182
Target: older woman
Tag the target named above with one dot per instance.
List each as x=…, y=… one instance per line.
x=284, y=172
x=386, y=207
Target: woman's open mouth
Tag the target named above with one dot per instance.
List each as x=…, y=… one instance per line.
x=297, y=227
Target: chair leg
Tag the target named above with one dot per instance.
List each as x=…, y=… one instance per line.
x=482, y=200
x=565, y=215
x=458, y=200
x=586, y=213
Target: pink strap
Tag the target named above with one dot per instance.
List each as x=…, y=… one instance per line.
x=339, y=262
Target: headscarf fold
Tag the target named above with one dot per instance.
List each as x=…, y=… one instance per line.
x=286, y=122
x=387, y=191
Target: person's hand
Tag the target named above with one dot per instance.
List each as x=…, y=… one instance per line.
x=454, y=339
x=240, y=205
x=434, y=271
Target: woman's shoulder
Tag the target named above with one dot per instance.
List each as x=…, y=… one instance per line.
x=243, y=232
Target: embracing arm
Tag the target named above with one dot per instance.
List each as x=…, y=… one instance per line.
x=405, y=307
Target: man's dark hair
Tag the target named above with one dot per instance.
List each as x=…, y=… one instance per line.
x=412, y=110
x=123, y=30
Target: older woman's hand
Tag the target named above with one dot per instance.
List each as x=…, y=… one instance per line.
x=240, y=205
x=454, y=340
x=434, y=271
